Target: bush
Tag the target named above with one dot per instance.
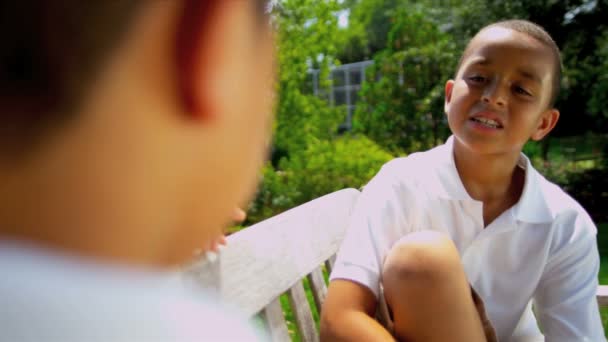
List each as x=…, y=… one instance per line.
x=590, y=189
x=327, y=166
x=274, y=195
x=323, y=167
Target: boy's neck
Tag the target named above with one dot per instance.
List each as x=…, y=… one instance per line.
x=491, y=179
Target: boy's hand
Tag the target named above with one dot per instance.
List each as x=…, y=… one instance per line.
x=238, y=216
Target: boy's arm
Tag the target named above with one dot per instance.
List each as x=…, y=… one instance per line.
x=348, y=313
x=565, y=300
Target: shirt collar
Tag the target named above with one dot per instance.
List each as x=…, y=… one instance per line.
x=532, y=205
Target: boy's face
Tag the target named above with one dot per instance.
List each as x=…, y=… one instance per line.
x=500, y=97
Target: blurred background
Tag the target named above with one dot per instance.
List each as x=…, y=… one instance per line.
x=361, y=82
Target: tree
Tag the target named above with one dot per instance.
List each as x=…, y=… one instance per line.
x=368, y=28
x=401, y=107
x=307, y=35
x=310, y=159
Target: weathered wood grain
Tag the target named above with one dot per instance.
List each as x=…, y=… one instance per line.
x=275, y=321
x=318, y=287
x=302, y=313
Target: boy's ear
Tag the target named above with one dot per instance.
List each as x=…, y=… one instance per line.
x=449, y=86
x=189, y=41
x=546, y=123
x=200, y=56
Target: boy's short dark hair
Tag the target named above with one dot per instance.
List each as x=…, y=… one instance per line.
x=50, y=51
x=537, y=32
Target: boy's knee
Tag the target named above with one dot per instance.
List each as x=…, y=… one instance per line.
x=422, y=256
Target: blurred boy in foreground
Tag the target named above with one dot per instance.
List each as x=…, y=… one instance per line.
x=129, y=130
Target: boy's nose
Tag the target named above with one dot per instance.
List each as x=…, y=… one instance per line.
x=494, y=95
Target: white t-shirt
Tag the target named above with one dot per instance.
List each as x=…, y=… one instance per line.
x=45, y=296
x=543, y=250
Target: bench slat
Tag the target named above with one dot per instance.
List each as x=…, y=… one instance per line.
x=265, y=260
x=602, y=295
x=329, y=263
x=275, y=321
x=302, y=313
x=318, y=287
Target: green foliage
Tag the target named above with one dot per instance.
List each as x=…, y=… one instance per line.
x=590, y=189
x=368, y=29
x=275, y=195
x=327, y=166
x=402, y=107
x=598, y=103
x=323, y=167
x=575, y=164
x=307, y=35
x=310, y=160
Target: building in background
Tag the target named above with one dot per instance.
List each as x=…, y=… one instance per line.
x=346, y=83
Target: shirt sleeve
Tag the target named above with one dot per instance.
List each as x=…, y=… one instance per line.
x=377, y=222
x=565, y=299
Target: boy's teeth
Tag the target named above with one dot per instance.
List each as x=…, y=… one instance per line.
x=487, y=122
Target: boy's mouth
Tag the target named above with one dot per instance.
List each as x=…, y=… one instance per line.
x=487, y=122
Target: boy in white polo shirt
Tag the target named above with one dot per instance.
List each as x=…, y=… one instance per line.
x=441, y=233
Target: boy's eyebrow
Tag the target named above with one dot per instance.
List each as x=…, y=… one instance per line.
x=523, y=72
x=530, y=75
x=480, y=61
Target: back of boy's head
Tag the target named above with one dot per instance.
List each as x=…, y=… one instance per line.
x=130, y=129
x=538, y=33
x=50, y=51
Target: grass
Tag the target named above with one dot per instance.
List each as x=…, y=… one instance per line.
x=577, y=147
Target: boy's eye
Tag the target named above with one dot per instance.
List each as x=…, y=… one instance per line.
x=522, y=91
x=477, y=79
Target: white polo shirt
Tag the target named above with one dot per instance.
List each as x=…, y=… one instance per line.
x=543, y=250
x=47, y=296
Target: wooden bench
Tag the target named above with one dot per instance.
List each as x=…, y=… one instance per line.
x=275, y=256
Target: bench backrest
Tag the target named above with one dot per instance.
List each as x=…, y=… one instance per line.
x=273, y=257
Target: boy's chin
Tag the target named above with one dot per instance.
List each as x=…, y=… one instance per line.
x=477, y=145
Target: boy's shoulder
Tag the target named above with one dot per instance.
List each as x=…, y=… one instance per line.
x=430, y=172
x=108, y=303
x=563, y=207
x=418, y=166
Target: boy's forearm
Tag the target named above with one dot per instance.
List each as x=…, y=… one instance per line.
x=353, y=326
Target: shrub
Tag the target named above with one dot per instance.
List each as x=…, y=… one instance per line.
x=590, y=189
x=274, y=195
x=327, y=166
x=324, y=166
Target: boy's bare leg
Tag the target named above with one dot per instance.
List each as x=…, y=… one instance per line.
x=427, y=291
